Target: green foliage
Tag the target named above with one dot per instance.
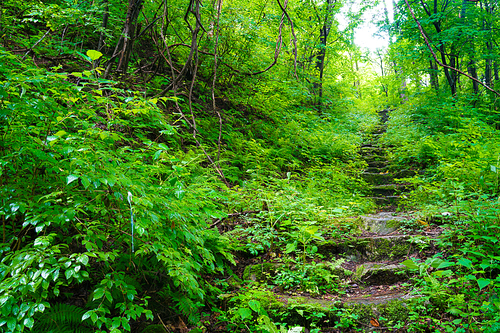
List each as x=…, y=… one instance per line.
x=67, y=164
x=62, y=317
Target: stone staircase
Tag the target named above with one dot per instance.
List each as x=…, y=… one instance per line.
x=374, y=287
x=379, y=172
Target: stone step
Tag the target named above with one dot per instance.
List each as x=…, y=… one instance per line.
x=386, y=201
x=382, y=223
x=375, y=248
x=374, y=158
x=374, y=273
x=367, y=308
x=377, y=173
x=377, y=178
x=367, y=151
x=381, y=170
x=366, y=274
x=377, y=164
x=389, y=189
x=381, y=299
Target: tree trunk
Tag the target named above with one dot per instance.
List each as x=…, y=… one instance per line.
x=433, y=70
x=104, y=25
x=321, y=53
x=127, y=38
x=495, y=70
x=471, y=69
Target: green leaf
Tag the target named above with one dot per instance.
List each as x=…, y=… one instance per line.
x=84, y=57
x=28, y=322
x=55, y=274
x=290, y=247
x=465, y=262
x=60, y=133
x=109, y=296
x=11, y=323
x=445, y=264
x=3, y=300
x=255, y=305
x=410, y=264
x=98, y=293
x=86, y=315
x=490, y=238
x=482, y=282
x=93, y=54
x=69, y=273
x=436, y=262
x=71, y=178
x=245, y=313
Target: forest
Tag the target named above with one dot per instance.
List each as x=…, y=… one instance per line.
x=245, y=166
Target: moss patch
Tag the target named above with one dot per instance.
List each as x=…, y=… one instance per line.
x=260, y=272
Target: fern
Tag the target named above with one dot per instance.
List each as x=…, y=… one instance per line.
x=188, y=308
x=61, y=318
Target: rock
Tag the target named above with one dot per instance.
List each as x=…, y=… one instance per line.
x=381, y=273
x=382, y=223
x=380, y=298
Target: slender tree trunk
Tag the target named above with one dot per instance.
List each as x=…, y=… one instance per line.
x=104, y=25
x=495, y=71
x=433, y=71
x=471, y=69
x=321, y=53
x=127, y=38
x=450, y=75
x=134, y=9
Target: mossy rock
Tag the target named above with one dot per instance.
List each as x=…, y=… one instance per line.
x=297, y=310
x=392, y=311
x=368, y=249
x=381, y=274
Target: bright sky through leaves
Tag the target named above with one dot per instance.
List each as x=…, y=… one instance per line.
x=367, y=34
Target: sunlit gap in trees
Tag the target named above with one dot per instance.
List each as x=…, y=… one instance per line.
x=368, y=33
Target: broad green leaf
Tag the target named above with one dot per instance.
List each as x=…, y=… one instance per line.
x=482, y=282
x=28, y=322
x=71, y=178
x=255, y=305
x=245, y=313
x=436, y=262
x=60, y=133
x=93, y=54
x=69, y=273
x=86, y=315
x=290, y=247
x=410, y=264
x=491, y=238
x=98, y=293
x=108, y=296
x=465, y=262
x=11, y=323
x=84, y=259
x=445, y=264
